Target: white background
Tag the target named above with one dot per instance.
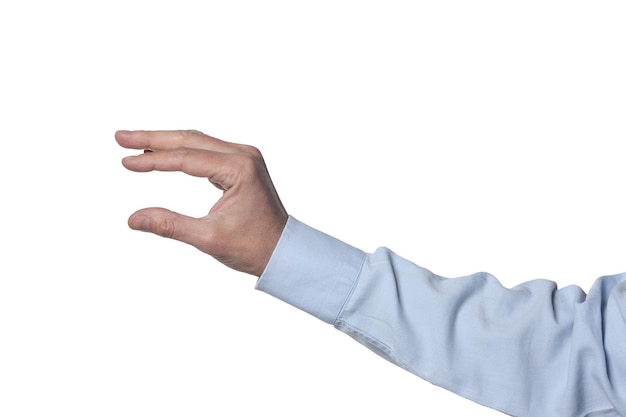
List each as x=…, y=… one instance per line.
x=464, y=135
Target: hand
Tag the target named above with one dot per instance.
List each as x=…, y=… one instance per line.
x=243, y=227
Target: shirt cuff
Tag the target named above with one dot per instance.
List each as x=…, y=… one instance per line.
x=312, y=271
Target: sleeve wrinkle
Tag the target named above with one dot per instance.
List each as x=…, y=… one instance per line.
x=531, y=351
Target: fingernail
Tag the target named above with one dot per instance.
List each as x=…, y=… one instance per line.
x=144, y=223
x=141, y=223
x=128, y=159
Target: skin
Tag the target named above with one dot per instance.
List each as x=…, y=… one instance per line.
x=242, y=228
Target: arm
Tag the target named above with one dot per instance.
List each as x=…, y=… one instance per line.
x=530, y=351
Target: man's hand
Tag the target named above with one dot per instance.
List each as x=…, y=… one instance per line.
x=243, y=227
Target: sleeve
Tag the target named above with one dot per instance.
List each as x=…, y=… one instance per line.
x=532, y=350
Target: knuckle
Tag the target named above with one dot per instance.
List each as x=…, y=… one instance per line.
x=185, y=133
x=210, y=243
x=253, y=151
x=165, y=227
x=248, y=164
x=181, y=152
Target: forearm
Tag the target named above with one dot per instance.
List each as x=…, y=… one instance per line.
x=531, y=350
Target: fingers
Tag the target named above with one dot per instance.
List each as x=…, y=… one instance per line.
x=169, y=224
x=243, y=227
x=173, y=139
x=222, y=169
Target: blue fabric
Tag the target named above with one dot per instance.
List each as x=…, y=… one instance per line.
x=530, y=351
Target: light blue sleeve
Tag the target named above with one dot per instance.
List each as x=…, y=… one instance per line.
x=529, y=351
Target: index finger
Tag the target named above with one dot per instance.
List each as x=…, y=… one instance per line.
x=172, y=139
x=222, y=169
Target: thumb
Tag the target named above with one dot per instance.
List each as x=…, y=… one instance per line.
x=166, y=223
